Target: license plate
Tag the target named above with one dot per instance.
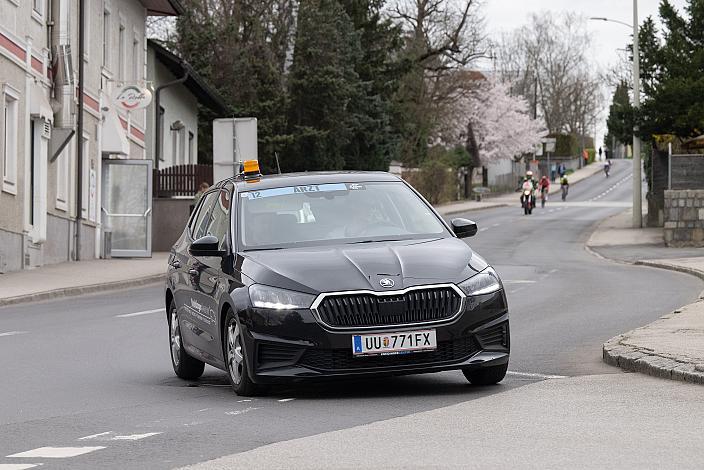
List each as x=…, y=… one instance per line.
x=394, y=343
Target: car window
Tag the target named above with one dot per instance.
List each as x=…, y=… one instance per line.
x=334, y=213
x=219, y=218
x=201, y=219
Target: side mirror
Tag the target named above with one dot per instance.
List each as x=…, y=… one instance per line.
x=206, y=246
x=464, y=228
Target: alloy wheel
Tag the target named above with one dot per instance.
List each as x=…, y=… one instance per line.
x=235, y=358
x=175, y=334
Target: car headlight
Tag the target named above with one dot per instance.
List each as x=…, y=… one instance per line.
x=279, y=299
x=484, y=282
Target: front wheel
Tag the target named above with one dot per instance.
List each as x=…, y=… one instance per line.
x=486, y=376
x=185, y=366
x=235, y=358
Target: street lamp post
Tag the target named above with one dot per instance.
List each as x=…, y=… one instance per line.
x=637, y=196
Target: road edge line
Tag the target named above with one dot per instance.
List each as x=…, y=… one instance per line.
x=81, y=290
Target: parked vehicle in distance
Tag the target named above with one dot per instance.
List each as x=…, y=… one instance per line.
x=323, y=275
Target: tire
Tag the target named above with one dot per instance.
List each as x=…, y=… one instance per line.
x=235, y=354
x=486, y=376
x=185, y=366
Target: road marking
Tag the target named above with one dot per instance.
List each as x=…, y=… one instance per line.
x=536, y=375
x=93, y=436
x=134, y=437
x=56, y=452
x=240, y=412
x=136, y=314
x=495, y=225
x=244, y=400
x=483, y=229
x=519, y=281
x=284, y=400
x=104, y=436
x=16, y=466
x=13, y=333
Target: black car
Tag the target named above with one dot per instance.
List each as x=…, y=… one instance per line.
x=323, y=275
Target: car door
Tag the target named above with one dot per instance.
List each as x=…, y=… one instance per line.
x=212, y=280
x=193, y=312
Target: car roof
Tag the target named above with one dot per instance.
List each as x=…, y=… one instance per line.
x=314, y=177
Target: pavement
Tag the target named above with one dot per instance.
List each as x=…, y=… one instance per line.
x=82, y=277
x=76, y=278
x=671, y=347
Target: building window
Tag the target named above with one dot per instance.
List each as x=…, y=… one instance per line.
x=161, y=133
x=136, y=69
x=63, y=164
x=106, y=39
x=85, y=183
x=38, y=9
x=191, y=158
x=121, y=54
x=9, y=139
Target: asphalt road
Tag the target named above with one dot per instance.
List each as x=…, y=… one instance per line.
x=87, y=381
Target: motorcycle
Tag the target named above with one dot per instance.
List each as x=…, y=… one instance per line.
x=527, y=201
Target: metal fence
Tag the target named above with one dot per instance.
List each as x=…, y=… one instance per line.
x=181, y=180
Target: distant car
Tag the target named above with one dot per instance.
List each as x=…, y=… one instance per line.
x=323, y=275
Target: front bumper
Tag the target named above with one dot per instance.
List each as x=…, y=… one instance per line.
x=294, y=346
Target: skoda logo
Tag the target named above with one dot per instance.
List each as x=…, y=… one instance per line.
x=386, y=283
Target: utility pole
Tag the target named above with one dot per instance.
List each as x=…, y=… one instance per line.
x=79, y=130
x=637, y=210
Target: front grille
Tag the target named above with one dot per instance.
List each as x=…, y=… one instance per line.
x=367, y=309
x=342, y=359
x=495, y=336
x=277, y=355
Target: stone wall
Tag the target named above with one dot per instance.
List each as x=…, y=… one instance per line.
x=684, y=217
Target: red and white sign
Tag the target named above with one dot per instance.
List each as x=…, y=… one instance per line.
x=132, y=97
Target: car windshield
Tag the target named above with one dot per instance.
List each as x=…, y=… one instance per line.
x=334, y=213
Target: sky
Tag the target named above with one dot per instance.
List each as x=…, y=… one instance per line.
x=607, y=37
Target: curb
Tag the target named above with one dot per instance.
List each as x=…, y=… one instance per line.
x=471, y=209
x=618, y=353
x=80, y=290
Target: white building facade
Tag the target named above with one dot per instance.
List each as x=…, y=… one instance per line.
x=38, y=123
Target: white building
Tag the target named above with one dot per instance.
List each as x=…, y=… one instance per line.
x=38, y=141
x=181, y=90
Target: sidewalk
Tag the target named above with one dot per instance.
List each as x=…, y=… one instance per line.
x=671, y=347
x=74, y=278
x=509, y=199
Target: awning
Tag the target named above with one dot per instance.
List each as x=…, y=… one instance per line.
x=39, y=104
x=114, y=140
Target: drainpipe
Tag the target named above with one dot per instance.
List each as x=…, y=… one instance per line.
x=79, y=130
x=157, y=106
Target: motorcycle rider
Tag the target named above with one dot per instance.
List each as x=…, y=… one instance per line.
x=529, y=184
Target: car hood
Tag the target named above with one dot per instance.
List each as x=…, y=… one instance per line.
x=362, y=266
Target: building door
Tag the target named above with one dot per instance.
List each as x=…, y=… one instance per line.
x=127, y=207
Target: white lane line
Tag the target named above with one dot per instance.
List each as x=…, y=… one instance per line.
x=240, y=412
x=483, y=229
x=56, y=452
x=284, y=400
x=13, y=333
x=134, y=437
x=535, y=375
x=93, y=436
x=136, y=314
x=495, y=225
x=244, y=400
x=16, y=466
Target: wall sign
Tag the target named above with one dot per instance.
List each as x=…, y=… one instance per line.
x=132, y=97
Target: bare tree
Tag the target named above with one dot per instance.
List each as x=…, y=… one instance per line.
x=547, y=64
